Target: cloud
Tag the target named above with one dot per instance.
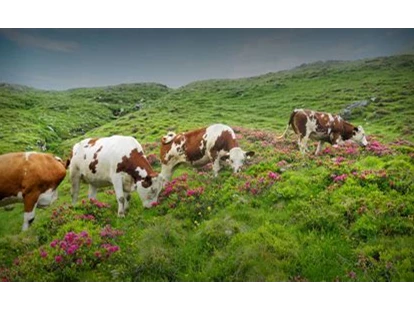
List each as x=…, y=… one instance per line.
x=40, y=42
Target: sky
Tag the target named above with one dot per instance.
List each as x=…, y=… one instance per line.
x=59, y=59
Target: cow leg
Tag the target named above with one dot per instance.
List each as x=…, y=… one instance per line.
x=119, y=192
x=319, y=148
x=216, y=166
x=29, y=201
x=167, y=172
x=75, y=180
x=127, y=201
x=302, y=146
x=92, y=192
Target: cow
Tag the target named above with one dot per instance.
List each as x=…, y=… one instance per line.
x=323, y=127
x=216, y=143
x=117, y=161
x=31, y=178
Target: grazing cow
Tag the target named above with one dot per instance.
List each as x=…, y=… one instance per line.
x=116, y=160
x=30, y=177
x=216, y=143
x=323, y=127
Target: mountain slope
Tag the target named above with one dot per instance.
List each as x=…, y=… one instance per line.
x=32, y=118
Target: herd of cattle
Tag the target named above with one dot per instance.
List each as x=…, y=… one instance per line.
x=120, y=161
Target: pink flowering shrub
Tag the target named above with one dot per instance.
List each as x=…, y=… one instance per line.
x=256, y=185
x=377, y=148
x=65, y=258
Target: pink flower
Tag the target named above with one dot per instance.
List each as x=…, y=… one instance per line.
x=282, y=163
x=54, y=243
x=274, y=176
x=79, y=261
x=154, y=204
x=339, y=177
x=352, y=274
x=58, y=258
x=43, y=254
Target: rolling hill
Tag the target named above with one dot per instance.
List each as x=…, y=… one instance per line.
x=347, y=215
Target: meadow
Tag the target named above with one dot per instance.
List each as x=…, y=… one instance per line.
x=345, y=215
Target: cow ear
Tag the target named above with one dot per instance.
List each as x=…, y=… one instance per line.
x=249, y=154
x=225, y=157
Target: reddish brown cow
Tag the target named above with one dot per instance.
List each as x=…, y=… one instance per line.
x=323, y=127
x=216, y=143
x=32, y=178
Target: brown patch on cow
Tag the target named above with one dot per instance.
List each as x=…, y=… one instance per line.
x=92, y=141
x=30, y=177
x=94, y=163
x=348, y=130
x=224, y=142
x=195, y=145
x=130, y=164
x=298, y=123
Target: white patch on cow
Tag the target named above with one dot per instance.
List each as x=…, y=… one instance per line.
x=237, y=157
x=27, y=218
x=331, y=118
x=359, y=137
x=310, y=126
x=202, y=143
x=329, y=130
x=298, y=110
x=143, y=173
x=149, y=195
x=28, y=154
x=47, y=198
x=59, y=159
x=166, y=139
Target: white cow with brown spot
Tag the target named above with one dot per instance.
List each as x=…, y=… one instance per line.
x=117, y=161
x=323, y=127
x=31, y=178
x=216, y=143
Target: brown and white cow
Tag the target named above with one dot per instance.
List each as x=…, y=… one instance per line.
x=323, y=127
x=32, y=178
x=117, y=161
x=216, y=143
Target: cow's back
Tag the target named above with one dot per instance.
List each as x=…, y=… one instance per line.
x=98, y=160
x=12, y=167
x=27, y=171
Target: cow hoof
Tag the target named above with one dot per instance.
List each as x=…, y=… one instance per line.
x=121, y=215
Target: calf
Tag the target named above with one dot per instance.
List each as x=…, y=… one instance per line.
x=117, y=161
x=323, y=127
x=216, y=143
x=30, y=177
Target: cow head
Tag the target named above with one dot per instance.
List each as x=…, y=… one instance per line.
x=166, y=139
x=149, y=188
x=236, y=158
x=358, y=136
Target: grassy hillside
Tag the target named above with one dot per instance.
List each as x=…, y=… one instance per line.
x=31, y=118
x=265, y=102
x=346, y=215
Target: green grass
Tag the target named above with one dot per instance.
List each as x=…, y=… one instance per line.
x=302, y=225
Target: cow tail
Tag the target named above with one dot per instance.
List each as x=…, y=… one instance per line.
x=287, y=126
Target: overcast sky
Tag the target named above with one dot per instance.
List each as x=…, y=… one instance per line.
x=67, y=58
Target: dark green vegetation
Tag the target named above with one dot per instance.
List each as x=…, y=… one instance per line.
x=345, y=215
